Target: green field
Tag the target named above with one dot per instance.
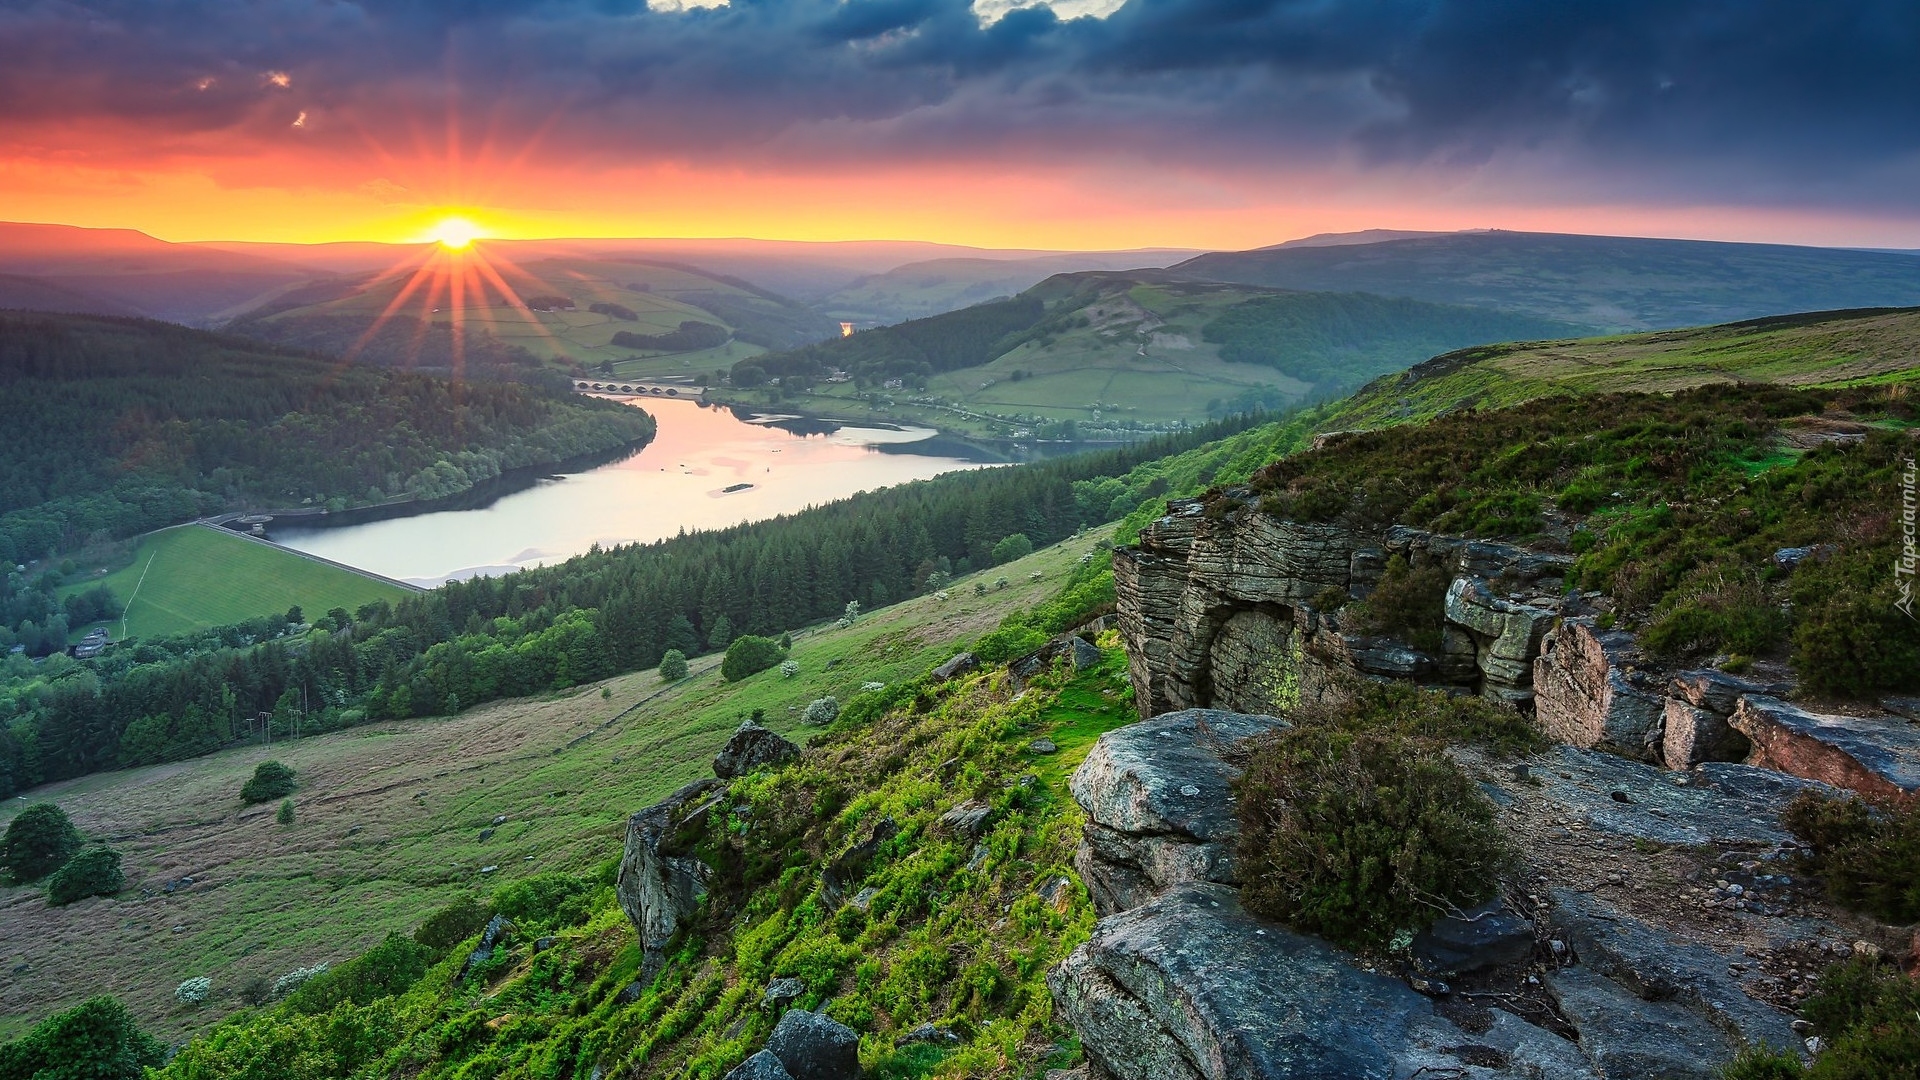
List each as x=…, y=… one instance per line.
x=194, y=576
x=390, y=814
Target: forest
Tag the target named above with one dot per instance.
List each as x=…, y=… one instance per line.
x=910, y=351
x=120, y=426
x=597, y=614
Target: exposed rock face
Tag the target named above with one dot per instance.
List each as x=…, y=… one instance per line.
x=1081, y=653
x=752, y=747
x=1585, y=694
x=1223, y=611
x=660, y=888
x=1191, y=987
x=1877, y=756
x=1158, y=799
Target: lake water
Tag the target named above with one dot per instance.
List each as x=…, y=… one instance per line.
x=678, y=481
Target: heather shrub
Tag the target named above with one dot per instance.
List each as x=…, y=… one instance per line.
x=1869, y=855
x=1358, y=836
x=1408, y=604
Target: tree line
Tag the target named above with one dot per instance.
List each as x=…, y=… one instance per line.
x=595, y=615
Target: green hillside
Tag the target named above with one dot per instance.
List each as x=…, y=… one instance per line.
x=196, y=576
x=1833, y=348
x=407, y=317
x=1610, y=282
x=1137, y=350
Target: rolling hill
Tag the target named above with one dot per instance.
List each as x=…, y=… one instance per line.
x=918, y=289
x=611, y=315
x=1614, y=283
x=1137, y=349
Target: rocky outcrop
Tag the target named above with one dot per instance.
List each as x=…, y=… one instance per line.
x=1875, y=756
x=1191, y=987
x=1178, y=983
x=660, y=885
x=957, y=665
x=1589, y=692
x=1078, y=651
x=752, y=747
x=1230, y=610
x=804, y=1046
x=1158, y=800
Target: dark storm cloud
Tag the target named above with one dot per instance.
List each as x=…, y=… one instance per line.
x=1695, y=94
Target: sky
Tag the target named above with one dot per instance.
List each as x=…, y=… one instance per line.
x=1071, y=124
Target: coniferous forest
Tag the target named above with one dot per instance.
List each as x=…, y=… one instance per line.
x=118, y=426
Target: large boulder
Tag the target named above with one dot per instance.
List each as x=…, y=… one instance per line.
x=761, y=1066
x=751, y=748
x=1507, y=633
x=1587, y=693
x=815, y=1047
x=660, y=885
x=957, y=665
x=1873, y=755
x=1158, y=796
x=1191, y=987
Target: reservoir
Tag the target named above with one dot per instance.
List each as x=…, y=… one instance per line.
x=706, y=468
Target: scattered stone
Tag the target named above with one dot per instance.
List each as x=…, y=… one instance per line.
x=761, y=1066
x=864, y=898
x=486, y=835
x=814, y=1047
x=1486, y=936
x=541, y=945
x=751, y=748
x=852, y=864
x=499, y=820
x=960, y=664
x=493, y=937
x=931, y=1034
x=782, y=992
x=1043, y=746
x=630, y=993
x=967, y=820
x=488, y=869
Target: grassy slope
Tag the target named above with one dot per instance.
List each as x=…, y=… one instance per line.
x=192, y=576
x=389, y=814
x=1820, y=349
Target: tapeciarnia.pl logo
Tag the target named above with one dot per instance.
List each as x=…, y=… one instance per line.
x=1903, y=570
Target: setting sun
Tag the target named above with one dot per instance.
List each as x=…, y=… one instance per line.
x=454, y=233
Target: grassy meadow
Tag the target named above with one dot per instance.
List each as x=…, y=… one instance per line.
x=388, y=816
x=191, y=577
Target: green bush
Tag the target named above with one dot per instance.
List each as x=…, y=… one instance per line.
x=285, y=815
x=1868, y=855
x=750, y=655
x=1016, y=546
x=93, y=872
x=543, y=900
x=673, y=665
x=1408, y=604
x=39, y=841
x=385, y=970
x=1865, y=1012
x=1357, y=837
x=1763, y=1063
x=94, y=1040
x=452, y=924
x=1724, y=614
x=270, y=781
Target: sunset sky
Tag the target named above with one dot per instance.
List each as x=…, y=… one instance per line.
x=1080, y=124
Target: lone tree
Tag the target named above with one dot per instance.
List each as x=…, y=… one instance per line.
x=95, y=1039
x=1013, y=547
x=271, y=780
x=750, y=654
x=285, y=816
x=38, y=842
x=673, y=666
x=93, y=872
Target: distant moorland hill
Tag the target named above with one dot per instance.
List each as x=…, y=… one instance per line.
x=1615, y=283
